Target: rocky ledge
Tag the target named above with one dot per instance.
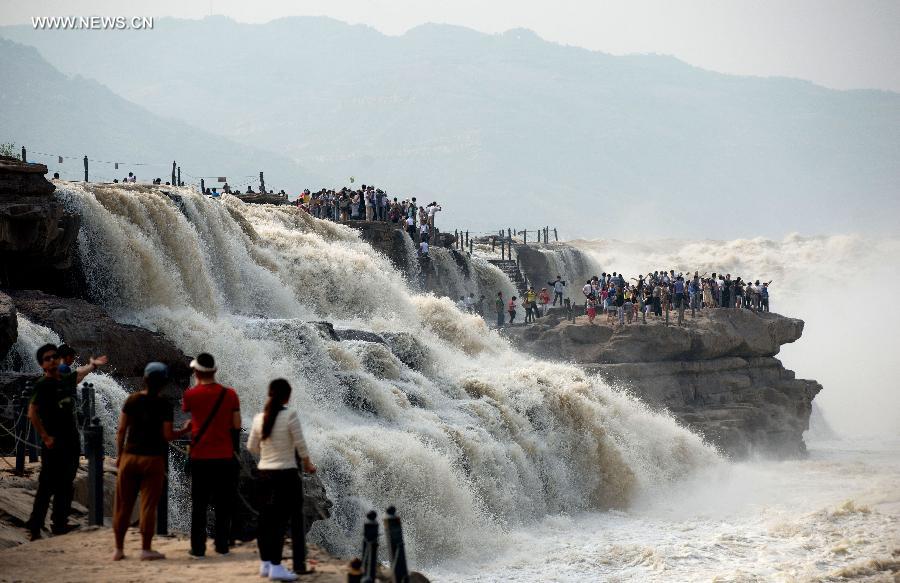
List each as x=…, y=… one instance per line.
x=716, y=374
x=37, y=235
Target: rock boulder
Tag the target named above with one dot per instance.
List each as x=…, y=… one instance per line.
x=37, y=235
x=717, y=373
x=90, y=331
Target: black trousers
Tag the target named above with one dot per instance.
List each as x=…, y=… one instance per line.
x=557, y=296
x=58, y=467
x=212, y=482
x=282, y=495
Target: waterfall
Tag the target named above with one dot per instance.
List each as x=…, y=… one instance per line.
x=466, y=436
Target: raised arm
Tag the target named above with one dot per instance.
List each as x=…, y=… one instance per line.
x=91, y=366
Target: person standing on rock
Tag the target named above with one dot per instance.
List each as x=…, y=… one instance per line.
x=52, y=414
x=558, y=287
x=215, y=424
x=498, y=305
x=277, y=438
x=511, y=309
x=145, y=428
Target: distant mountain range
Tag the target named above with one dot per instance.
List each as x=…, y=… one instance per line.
x=506, y=130
x=53, y=115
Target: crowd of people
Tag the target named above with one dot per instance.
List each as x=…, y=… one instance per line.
x=146, y=425
x=368, y=203
x=624, y=301
x=661, y=291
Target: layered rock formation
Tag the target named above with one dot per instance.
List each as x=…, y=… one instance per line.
x=717, y=374
x=37, y=235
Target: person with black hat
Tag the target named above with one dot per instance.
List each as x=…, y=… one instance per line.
x=215, y=422
x=145, y=428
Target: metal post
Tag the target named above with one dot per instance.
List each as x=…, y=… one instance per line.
x=20, y=411
x=173, y=174
x=525, y=236
x=162, y=509
x=93, y=439
x=393, y=532
x=85, y=169
x=179, y=176
x=24, y=157
x=493, y=243
x=354, y=573
x=202, y=186
x=370, y=548
x=262, y=184
x=471, y=246
x=467, y=238
x=30, y=447
x=555, y=234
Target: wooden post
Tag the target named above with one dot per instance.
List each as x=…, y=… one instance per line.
x=24, y=157
x=173, y=174
x=85, y=169
x=262, y=183
x=179, y=176
x=467, y=238
x=493, y=243
x=525, y=236
x=202, y=187
x=555, y=235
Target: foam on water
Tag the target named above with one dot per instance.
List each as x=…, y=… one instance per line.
x=475, y=440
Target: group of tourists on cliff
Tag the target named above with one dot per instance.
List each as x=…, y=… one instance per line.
x=146, y=425
x=659, y=292
x=367, y=203
x=623, y=301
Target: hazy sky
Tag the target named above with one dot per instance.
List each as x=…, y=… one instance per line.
x=843, y=44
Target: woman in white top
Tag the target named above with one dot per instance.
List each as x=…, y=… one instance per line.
x=276, y=437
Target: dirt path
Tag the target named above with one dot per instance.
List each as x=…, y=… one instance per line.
x=86, y=556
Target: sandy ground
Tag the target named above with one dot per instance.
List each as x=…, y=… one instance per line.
x=87, y=556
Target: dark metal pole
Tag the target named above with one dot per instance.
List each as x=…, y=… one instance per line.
x=393, y=532
x=93, y=438
x=162, y=509
x=179, y=176
x=173, y=174
x=21, y=404
x=525, y=236
x=24, y=157
x=370, y=548
x=85, y=169
x=555, y=234
x=354, y=573
x=262, y=183
x=202, y=186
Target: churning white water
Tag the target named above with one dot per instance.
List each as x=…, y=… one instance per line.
x=468, y=438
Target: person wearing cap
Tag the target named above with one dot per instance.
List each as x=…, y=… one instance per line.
x=145, y=428
x=53, y=416
x=215, y=413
